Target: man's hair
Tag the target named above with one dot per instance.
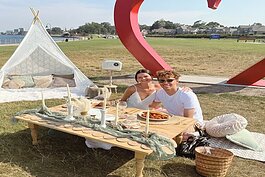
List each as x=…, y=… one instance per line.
x=141, y=71
x=167, y=74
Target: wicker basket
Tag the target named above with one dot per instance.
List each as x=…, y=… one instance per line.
x=212, y=161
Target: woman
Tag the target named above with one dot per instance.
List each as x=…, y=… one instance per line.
x=139, y=95
x=142, y=94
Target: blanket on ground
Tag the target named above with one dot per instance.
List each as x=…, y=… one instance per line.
x=239, y=150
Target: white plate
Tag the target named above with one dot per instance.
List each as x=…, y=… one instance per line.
x=97, y=113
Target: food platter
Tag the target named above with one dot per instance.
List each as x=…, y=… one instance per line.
x=154, y=115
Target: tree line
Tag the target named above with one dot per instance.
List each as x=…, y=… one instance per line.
x=106, y=28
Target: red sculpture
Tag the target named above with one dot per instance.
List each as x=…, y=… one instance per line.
x=127, y=27
x=251, y=76
x=213, y=4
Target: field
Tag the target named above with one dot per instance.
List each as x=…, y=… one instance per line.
x=61, y=155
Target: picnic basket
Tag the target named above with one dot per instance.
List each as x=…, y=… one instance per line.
x=212, y=162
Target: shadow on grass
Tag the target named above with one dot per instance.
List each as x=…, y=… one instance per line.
x=197, y=88
x=216, y=89
x=178, y=169
x=98, y=78
x=58, y=155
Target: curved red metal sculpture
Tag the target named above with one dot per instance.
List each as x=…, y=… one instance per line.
x=127, y=27
x=213, y=4
x=251, y=76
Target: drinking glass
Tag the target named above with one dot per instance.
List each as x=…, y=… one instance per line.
x=122, y=105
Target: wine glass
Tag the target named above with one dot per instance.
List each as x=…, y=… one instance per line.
x=122, y=105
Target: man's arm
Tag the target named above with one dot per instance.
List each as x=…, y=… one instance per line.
x=189, y=112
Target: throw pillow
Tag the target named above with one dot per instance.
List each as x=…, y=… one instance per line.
x=6, y=82
x=62, y=82
x=226, y=124
x=92, y=91
x=16, y=84
x=43, y=81
x=245, y=139
x=67, y=76
x=27, y=79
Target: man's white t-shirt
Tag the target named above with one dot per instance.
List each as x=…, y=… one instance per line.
x=176, y=103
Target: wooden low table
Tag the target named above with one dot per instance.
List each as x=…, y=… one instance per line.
x=141, y=151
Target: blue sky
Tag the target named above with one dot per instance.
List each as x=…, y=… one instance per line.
x=73, y=13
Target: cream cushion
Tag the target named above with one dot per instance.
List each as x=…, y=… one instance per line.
x=96, y=92
x=92, y=91
x=16, y=84
x=6, y=82
x=43, y=81
x=62, y=82
x=28, y=81
x=226, y=124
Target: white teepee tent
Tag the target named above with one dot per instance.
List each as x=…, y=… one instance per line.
x=39, y=55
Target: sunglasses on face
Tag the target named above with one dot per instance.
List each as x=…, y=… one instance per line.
x=165, y=80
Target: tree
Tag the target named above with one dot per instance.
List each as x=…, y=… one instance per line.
x=212, y=25
x=199, y=24
x=56, y=30
x=162, y=23
x=257, y=24
x=158, y=24
x=144, y=27
x=169, y=25
x=96, y=28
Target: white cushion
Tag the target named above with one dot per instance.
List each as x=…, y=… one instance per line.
x=226, y=124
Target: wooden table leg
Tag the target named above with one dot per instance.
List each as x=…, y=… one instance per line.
x=139, y=159
x=34, y=133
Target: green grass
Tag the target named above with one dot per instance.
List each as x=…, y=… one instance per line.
x=224, y=57
x=62, y=155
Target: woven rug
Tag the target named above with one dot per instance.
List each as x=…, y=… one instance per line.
x=239, y=150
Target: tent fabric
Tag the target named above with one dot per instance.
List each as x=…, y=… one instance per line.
x=39, y=55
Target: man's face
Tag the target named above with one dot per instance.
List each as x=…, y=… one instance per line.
x=168, y=83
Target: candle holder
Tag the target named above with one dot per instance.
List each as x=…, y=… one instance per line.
x=147, y=123
x=145, y=134
x=116, y=114
x=84, y=116
x=70, y=110
x=103, y=118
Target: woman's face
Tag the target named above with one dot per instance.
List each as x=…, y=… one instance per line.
x=143, y=77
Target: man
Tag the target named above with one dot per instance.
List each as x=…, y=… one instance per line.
x=174, y=99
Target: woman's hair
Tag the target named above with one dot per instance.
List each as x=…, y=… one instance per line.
x=141, y=71
x=167, y=74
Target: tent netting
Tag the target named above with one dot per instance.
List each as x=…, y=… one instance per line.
x=39, y=55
